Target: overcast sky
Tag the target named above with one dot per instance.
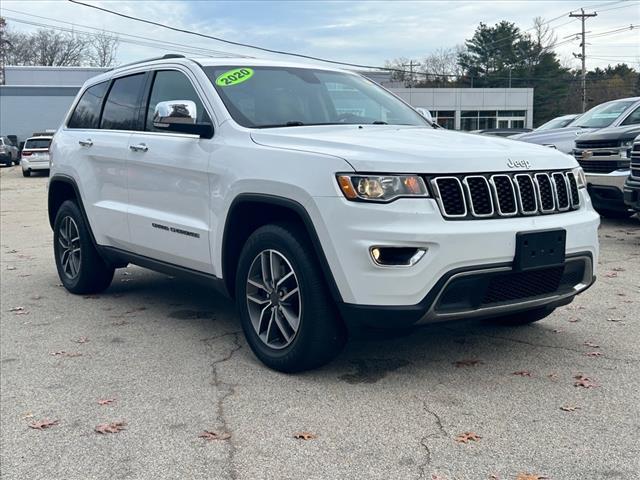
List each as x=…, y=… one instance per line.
x=368, y=32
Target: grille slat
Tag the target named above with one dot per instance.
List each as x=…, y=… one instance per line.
x=476, y=196
x=479, y=196
x=451, y=196
x=505, y=194
x=561, y=191
x=526, y=194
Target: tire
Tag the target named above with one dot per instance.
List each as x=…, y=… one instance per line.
x=615, y=213
x=26, y=173
x=320, y=333
x=16, y=161
x=523, y=318
x=85, y=272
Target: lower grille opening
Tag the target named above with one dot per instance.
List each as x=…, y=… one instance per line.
x=489, y=289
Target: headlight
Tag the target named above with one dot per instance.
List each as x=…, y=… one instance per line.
x=627, y=143
x=381, y=188
x=581, y=180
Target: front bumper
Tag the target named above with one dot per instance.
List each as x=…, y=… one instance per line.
x=488, y=291
x=632, y=193
x=348, y=230
x=606, y=189
x=34, y=164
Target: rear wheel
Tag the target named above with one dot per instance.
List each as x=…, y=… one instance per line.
x=80, y=267
x=287, y=313
x=523, y=318
x=26, y=173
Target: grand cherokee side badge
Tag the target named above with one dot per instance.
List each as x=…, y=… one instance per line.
x=519, y=164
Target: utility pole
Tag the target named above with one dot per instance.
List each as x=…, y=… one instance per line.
x=411, y=64
x=583, y=16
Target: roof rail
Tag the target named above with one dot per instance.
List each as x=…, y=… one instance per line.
x=164, y=57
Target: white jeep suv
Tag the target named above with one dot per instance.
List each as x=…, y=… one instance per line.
x=314, y=197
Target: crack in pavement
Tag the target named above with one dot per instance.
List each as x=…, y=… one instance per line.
x=441, y=432
x=229, y=391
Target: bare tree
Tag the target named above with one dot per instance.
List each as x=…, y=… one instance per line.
x=103, y=49
x=400, y=69
x=543, y=35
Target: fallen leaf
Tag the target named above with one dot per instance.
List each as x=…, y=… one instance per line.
x=106, y=401
x=13, y=251
x=27, y=416
x=120, y=323
x=62, y=353
x=618, y=269
x=553, y=375
x=112, y=427
x=584, y=382
x=467, y=363
x=82, y=340
x=43, y=424
x=620, y=294
x=16, y=309
x=304, y=435
x=557, y=330
x=209, y=435
x=593, y=354
x=11, y=267
x=530, y=476
x=615, y=320
x=611, y=274
x=468, y=436
x=523, y=373
x=574, y=320
x=591, y=344
x=569, y=408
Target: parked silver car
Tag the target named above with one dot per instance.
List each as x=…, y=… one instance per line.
x=558, y=122
x=625, y=111
x=8, y=152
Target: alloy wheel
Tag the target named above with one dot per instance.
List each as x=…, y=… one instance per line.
x=273, y=299
x=69, y=251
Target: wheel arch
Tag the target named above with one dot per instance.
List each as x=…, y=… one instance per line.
x=61, y=189
x=249, y=211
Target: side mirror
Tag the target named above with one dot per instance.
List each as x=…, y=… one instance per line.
x=180, y=116
x=425, y=113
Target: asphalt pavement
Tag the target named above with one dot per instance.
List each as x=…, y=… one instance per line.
x=166, y=358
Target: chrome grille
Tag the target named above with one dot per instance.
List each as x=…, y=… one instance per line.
x=476, y=196
x=635, y=161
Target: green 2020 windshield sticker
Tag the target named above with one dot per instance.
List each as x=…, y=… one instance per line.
x=234, y=77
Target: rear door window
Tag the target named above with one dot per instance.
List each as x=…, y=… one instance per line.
x=122, y=107
x=87, y=112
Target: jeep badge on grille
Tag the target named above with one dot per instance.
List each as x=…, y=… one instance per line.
x=518, y=164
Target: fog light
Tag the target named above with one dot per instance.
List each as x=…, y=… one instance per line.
x=396, y=256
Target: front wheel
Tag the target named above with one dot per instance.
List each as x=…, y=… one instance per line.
x=286, y=311
x=80, y=267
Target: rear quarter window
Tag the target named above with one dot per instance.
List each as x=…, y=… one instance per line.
x=87, y=111
x=37, y=143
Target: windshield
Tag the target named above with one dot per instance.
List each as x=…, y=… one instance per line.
x=559, y=122
x=263, y=97
x=38, y=143
x=603, y=115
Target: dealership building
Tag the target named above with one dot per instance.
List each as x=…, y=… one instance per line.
x=36, y=99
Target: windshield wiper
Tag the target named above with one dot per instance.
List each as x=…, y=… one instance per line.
x=379, y=122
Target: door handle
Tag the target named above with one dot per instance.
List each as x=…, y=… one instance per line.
x=141, y=147
x=85, y=143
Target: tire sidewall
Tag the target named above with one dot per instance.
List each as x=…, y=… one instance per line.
x=317, y=309
x=70, y=209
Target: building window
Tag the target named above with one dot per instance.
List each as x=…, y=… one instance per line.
x=478, y=119
x=445, y=118
x=488, y=119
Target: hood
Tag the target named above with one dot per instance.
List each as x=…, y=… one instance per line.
x=400, y=149
x=548, y=137
x=628, y=132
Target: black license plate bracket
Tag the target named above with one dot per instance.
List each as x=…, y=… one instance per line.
x=538, y=249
